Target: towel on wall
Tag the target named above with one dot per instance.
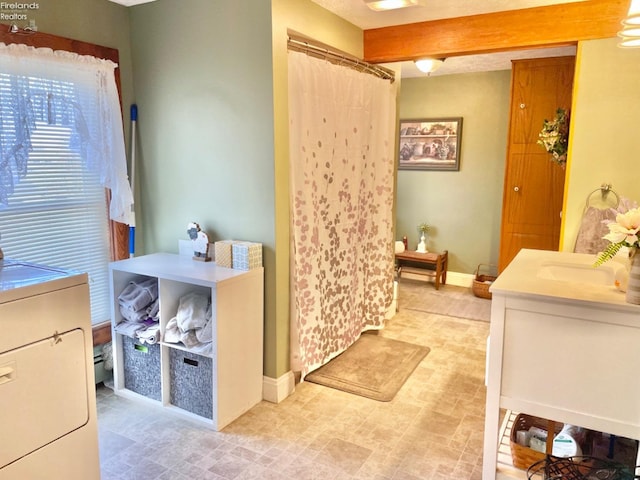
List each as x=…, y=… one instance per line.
x=592, y=229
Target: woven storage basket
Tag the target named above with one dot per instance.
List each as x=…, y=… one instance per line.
x=480, y=286
x=579, y=468
x=523, y=457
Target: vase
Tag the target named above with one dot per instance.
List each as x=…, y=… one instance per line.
x=422, y=246
x=633, y=287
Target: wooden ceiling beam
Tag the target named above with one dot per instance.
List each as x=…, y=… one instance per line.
x=553, y=25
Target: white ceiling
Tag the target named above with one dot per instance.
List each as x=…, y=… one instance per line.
x=484, y=63
x=356, y=12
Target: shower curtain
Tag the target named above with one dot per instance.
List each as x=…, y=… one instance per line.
x=342, y=142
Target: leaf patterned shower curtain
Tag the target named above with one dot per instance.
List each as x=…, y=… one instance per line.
x=342, y=142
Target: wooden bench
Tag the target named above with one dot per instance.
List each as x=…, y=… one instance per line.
x=431, y=264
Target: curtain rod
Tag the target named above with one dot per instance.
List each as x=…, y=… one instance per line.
x=339, y=58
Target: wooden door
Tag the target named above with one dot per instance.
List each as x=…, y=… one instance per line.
x=534, y=185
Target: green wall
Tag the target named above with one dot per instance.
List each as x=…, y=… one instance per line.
x=463, y=208
x=204, y=89
x=605, y=142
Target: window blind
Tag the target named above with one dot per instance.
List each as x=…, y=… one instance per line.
x=58, y=213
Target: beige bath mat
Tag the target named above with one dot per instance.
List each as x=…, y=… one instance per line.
x=374, y=367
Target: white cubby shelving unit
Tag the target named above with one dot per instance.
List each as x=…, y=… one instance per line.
x=215, y=388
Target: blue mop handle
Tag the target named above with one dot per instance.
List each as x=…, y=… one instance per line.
x=132, y=227
x=132, y=241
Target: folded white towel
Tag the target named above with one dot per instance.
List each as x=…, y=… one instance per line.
x=154, y=309
x=149, y=335
x=129, y=328
x=134, y=315
x=172, y=333
x=138, y=295
x=192, y=311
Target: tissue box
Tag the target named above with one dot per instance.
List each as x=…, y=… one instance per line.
x=246, y=255
x=223, y=253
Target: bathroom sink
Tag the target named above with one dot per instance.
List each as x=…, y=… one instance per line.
x=578, y=273
x=17, y=274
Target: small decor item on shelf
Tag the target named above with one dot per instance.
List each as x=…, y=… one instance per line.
x=625, y=232
x=554, y=136
x=246, y=255
x=223, y=251
x=200, y=241
x=423, y=228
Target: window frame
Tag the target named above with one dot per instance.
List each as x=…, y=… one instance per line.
x=118, y=232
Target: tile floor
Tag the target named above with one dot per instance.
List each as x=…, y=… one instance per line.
x=432, y=429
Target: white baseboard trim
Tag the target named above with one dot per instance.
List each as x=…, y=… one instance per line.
x=460, y=279
x=275, y=390
x=453, y=278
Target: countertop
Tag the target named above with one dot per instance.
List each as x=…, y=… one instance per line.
x=533, y=273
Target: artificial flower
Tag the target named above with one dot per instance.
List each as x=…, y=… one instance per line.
x=554, y=136
x=624, y=232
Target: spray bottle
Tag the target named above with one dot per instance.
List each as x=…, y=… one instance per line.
x=566, y=443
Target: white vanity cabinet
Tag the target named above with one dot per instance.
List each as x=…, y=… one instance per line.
x=216, y=387
x=563, y=345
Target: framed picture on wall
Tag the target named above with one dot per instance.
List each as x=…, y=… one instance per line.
x=430, y=144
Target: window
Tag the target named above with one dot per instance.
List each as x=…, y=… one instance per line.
x=58, y=216
x=57, y=213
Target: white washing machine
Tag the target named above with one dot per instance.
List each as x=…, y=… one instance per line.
x=48, y=419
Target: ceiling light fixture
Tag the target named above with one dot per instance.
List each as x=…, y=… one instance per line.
x=380, y=5
x=429, y=65
x=630, y=32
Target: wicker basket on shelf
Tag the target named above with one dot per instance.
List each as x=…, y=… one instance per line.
x=523, y=457
x=483, y=281
x=581, y=467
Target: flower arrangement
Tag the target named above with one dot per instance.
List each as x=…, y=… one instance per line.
x=554, y=136
x=624, y=232
x=423, y=228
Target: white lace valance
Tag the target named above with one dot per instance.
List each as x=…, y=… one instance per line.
x=64, y=89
